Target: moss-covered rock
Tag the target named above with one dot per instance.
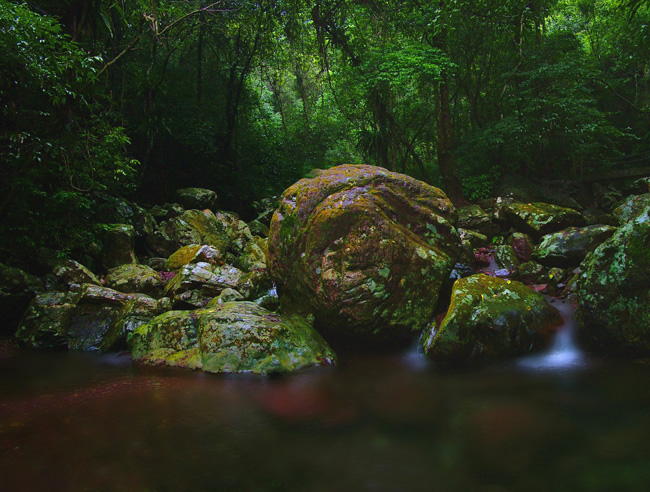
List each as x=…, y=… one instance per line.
x=490, y=318
x=233, y=337
x=613, y=291
x=194, y=253
x=17, y=289
x=472, y=217
x=363, y=249
x=90, y=318
x=570, y=246
x=470, y=242
x=523, y=244
x=194, y=285
x=197, y=198
x=505, y=257
x=72, y=272
x=539, y=219
x=135, y=279
x=631, y=207
x=119, y=246
x=253, y=256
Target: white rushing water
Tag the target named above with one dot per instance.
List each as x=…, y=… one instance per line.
x=563, y=353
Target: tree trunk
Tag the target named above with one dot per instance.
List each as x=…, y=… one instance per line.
x=446, y=160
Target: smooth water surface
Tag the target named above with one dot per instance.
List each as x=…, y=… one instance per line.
x=74, y=421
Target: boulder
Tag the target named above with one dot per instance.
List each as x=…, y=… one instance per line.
x=474, y=218
x=119, y=246
x=90, y=318
x=631, y=207
x=490, y=318
x=197, y=198
x=71, y=272
x=191, y=227
x=196, y=284
x=505, y=257
x=570, y=246
x=253, y=256
x=523, y=244
x=194, y=253
x=17, y=289
x=135, y=279
x=613, y=291
x=365, y=250
x=470, y=242
x=233, y=337
x=539, y=219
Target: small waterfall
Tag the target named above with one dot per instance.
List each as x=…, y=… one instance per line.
x=563, y=353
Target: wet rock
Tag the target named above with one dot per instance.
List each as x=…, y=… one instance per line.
x=570, y=246
x=363, y=249
x=72, y=272
x=529, y=272
x=631, y=207
x=470, y=242
x=135, y=279
x=197, y=198
x=144, y=223
x=47, y=320
x=613, y=291
x=227, y=295
x=119, y=244
x=233, y=337
x=258, y=228
x=539, y=219
x=194, y=253
x=490, y=318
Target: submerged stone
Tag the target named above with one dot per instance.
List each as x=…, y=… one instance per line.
x=365, y=250
x=232, y=337
x=613, y=291
x=490, y=318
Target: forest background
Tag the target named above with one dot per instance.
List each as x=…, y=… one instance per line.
x=137, y=98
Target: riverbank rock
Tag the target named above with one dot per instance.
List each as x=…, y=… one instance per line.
x=539, y=219
x=472, y=217
x=364, y=250
x=490, y=318
x=71, y=272
x=197, y=198
x=232, y=337
x=194, y=253
x=90, y=318
x=613, y=291
x=570, y=246
x=522, y=244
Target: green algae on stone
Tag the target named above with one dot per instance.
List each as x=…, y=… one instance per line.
x=490, y=318
x=631, y=207
x=539, y=219
x=613, y=291
x=232, y=337
x=135, y=279
x=570, y=246
x=194, y=253
x=364, y=250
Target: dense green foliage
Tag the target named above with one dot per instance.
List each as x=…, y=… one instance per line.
x=142, y=97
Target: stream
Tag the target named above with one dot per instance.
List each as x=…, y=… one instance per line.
x=560, y=421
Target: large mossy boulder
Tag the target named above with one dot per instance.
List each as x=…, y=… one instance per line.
x=194, y=253
x=90, y=318
x=197, y=198
x=613, y=291
x=539, y=219
x=570, y=246
x=490, y=318
x=232, y=337
x=365, y=250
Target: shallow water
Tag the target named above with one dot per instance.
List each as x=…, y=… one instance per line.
x=390, y=422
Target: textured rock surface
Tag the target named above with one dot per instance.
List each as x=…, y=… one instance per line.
x=613, y=291
x=17, y=289
x=233, y=337
x=363, y=249
x=194, y=253
x=72, y=272
x=490, y=318
x=197, y=198
x=135, y=278
x=119, y=246
x=539, y=219
x=631, y=207
x=570, y=246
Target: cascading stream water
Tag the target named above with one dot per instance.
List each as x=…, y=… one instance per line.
x=563, y=353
